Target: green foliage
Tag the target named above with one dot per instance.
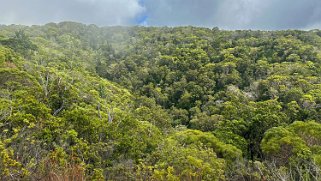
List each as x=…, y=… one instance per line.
x=20, y=43
x=295, y=146
x=8, y=165
x=172, y=161
x=195, y=137
x=282, y=145
x=144, y=103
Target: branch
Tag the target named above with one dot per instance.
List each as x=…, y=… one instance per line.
x=60, y=109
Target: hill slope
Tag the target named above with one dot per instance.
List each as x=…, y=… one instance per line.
x=186, y=103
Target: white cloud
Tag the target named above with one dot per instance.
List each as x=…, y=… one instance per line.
x=101, y=12
x=237, y=13
x=227, y=14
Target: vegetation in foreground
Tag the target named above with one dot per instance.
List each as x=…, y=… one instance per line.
x=134, y=103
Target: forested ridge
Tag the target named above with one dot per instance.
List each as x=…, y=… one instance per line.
x=81, y=102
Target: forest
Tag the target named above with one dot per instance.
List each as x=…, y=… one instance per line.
x=82, y=102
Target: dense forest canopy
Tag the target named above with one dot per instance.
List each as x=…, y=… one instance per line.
x=159, y=103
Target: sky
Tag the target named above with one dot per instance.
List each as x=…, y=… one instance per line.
x=225, y=14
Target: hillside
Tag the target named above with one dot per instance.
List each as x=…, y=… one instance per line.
x=158, y=103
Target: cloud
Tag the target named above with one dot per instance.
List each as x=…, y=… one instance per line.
x=235, y=14
x=181, y=12
x=100, y=12
x=227, y=14
x=286, y=14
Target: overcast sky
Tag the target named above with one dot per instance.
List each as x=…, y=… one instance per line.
x=225, y=14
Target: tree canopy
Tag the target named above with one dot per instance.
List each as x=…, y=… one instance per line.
x=159, y=103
